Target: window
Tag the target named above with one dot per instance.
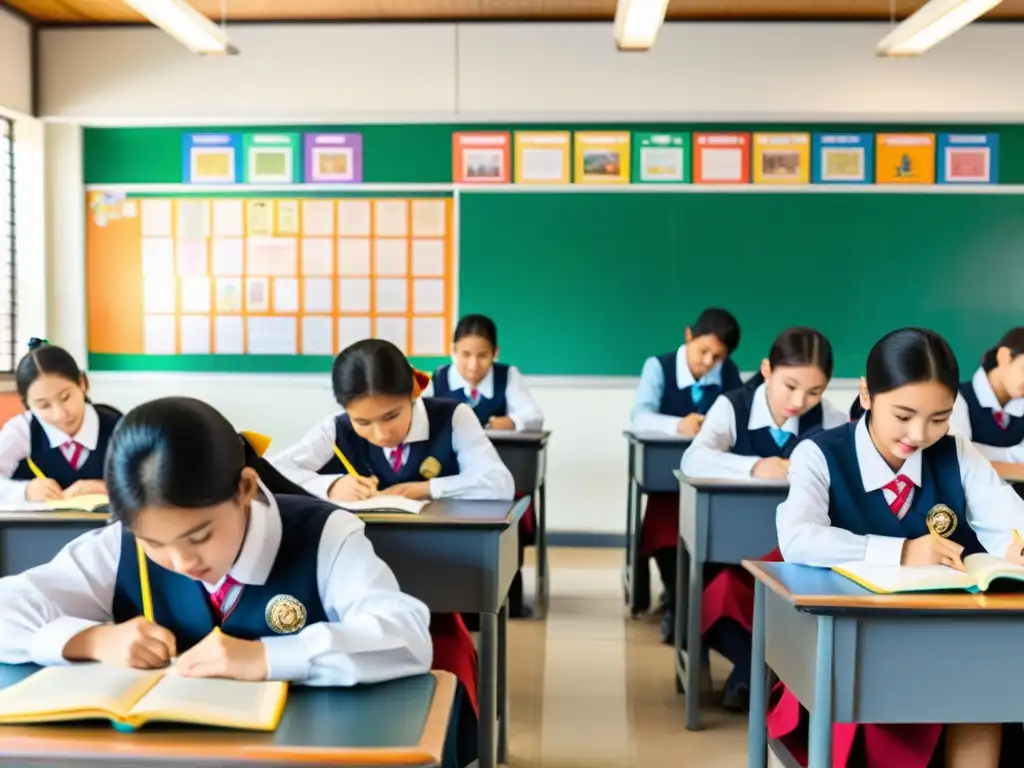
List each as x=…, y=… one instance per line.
x=8, y=305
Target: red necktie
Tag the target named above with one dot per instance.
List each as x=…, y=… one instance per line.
x=902, y=487
x=221, y=594
x=1002, y=418
x=73, y=453
x=474, y=395
x=396, y=458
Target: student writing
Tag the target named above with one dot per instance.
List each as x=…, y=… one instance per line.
x=55, y=449
x=676, y=390
x=864, y=492
x=751, y=432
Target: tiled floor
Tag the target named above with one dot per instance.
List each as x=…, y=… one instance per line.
x=593, y=688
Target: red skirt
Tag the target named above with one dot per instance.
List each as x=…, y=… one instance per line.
x=660, y=528
x=730, y=595
x=454, y=651
x=527, y=524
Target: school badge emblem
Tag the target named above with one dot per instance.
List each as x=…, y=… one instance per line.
x=942, y=520
x=430, y=468
x=285, y=615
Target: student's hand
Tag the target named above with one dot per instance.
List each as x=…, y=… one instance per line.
x=352, y=488
x=135, y=643
x=220, y=655
x=932, y=550
x=43, y=489
x=689, y=426
x=771, y=468
x=501, y=422
x=85, y=488
x=420, y=491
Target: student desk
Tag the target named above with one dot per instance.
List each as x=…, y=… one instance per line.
x=653, y=457
x=720, y=521
x=398, y=723
x=853, y=656
x=457, y=556
x=526, y=456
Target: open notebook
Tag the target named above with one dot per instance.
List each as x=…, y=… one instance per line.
x=133, y=697
x=385, y=503
x=982, y=571
x=88, y=503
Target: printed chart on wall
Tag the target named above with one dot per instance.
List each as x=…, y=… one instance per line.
x=268, y=276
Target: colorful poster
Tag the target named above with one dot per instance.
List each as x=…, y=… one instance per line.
x=721, y=158
x=481, y=158
x=843, y=158
x=333, y=158
x=905, y=158
x=602, y=157
x=782, y=158
x=211, y=158
x=661, y=158
x=542, y=157
x=968, y=158
x=271, y=158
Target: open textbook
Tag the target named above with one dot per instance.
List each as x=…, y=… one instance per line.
x=384, y=503
x=134, y=697
x=96, y=502
x=982, y=570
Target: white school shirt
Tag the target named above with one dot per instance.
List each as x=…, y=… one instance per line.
x=709, y=455
x=522, y=408
x=482, y=475
x=807, y=536
x=960, y=421
x=373, y=631
x=16, y=445
x=645, y=416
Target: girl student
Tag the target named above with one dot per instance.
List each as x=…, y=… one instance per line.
x=56, y=448
x=676, y=390
x=865, y=491
x=500, y=399
x=751, y=432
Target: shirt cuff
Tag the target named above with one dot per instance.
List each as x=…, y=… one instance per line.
x=883, y=550
x=49, y=642
x=287, y=658
x=321, y=484
x=443, y=487
x=519, y=422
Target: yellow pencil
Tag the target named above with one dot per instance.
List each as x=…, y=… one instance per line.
x=35, y=470
x=147, y=596
x=345, y=462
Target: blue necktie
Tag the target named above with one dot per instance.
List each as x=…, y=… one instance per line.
x=696, y=392
x=780, y=436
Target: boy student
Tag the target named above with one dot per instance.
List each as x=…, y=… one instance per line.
x=676, y=390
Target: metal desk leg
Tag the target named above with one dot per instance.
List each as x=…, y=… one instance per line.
x=503, y=715
x=627, y=572
x=682, y=581
x=543, y=594
x=488, y=690
x=819, y=754
x=757, y=728
x=694, y=652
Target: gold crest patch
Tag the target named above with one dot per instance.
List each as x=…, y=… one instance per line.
x=285, y=614
x=430, y=468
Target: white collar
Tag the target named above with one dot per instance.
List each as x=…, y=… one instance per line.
x=761, y=414
x=485, y=388
x=684, y=376
x=419, y=427
x=987, y=396
x=874, y=472
x=88, y=434
x=262, y=542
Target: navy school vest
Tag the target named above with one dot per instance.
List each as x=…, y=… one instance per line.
x=759, y=442
x=679, y=402
x=369, y=459
x=182, y=605
x=487, y=407
x=51, y=460
x=984, y=428
x=867, y=512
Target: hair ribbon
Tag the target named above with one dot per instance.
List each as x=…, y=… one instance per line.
x=420, y=381
x=260, y=443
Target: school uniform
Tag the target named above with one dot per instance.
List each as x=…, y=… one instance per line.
x=59, y=456
x=869, y=513
x=467, y=466
x=738, y=432
x=996, y=430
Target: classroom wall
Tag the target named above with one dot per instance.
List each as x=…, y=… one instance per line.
x=15, y=64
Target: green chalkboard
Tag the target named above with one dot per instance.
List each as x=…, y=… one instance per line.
x=593, y=283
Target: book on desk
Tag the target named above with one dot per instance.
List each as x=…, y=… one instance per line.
x=385, y=502
x=96, y=502
x=983, y=571
x=130, y=698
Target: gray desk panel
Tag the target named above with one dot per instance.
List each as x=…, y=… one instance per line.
x=654, y=464
x=525, y=455
x=26, y=545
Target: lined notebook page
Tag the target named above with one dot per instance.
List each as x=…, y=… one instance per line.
x=77, y=687
x=212, y=700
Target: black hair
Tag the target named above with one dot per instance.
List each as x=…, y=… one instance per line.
x=718, y=323
x=909, y=356
x=41, y=359
x=477, y=325
x=798, y=347
x=371, y=367
x=179, y=452
x=856, y=409
x=1013, y=340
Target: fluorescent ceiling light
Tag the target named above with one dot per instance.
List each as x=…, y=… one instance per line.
x=186, y=25
x=637, y=23
x=931, y=24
